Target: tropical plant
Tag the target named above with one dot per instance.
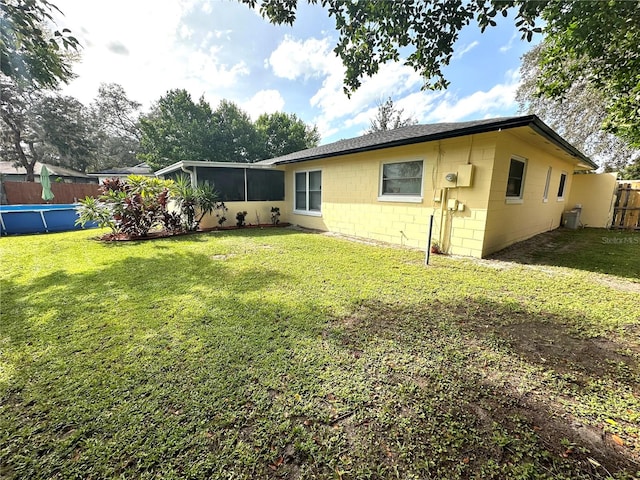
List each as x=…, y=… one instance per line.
x=240, y=218
x=221, y=209
x=275, y=215
x=131, y=207
x=193, y=202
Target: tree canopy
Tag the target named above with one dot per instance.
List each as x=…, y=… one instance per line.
x=596, y=43
x=389, y=117
x=40, y=126
x=116, y=128
x=30, y=54
x=592, y=40
x=578, y=116
x=282, y=133
x=177, y=129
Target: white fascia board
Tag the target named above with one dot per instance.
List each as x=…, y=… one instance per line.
x=198, y=163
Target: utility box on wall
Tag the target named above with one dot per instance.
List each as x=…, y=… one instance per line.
x=465, y=175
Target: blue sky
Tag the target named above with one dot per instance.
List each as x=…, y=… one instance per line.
x=224, y=50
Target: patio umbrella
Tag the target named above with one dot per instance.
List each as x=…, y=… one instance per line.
x=45, y=181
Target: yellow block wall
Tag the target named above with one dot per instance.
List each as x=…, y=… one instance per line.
x=596, y=193
x=253, y=209
x=511, y=223
x=350, y=188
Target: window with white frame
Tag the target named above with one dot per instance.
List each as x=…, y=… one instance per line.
x=308, y=187
x=562, y=185
x=401, y=180
x=515, y=182
x=545, y=196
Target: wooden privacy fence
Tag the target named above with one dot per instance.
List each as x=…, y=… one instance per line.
x=626, y=211
x=30, y=193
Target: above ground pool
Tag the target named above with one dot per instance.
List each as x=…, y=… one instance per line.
x=39, y=219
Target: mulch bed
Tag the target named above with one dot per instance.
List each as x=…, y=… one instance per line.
x=123, y=237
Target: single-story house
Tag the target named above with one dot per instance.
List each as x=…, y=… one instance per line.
x=487, y=184
x=11, y=173
x=123, y=172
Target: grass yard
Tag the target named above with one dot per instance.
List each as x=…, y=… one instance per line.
x=281, y=354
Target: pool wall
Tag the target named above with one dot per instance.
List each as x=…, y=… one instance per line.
x=22, y=219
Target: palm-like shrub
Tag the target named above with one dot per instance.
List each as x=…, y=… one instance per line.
x=193, y=202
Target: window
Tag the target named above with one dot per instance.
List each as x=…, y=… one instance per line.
x=401, y=181
x=308, y=186
x=515, y=183
x=545, y=196
x=265, y=185
x=563, y=184
x=228, y=182
x=243, y=184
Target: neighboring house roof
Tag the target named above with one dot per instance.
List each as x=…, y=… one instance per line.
x=424, y=133
x=10, y=168
x=140, y=169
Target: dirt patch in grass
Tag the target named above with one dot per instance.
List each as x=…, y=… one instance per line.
x=591, y=249
x=507, y=379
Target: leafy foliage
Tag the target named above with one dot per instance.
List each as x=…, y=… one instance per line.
x=132, y=207
x=578, y=116
x=240, y=218
x=281, y=133
x=179, y=129
x=372, y=32
x=116, y=130
x=590, y=40
x=135, y=206
x=389, y=117
x=36, y=127
x=193, y=201
x=29, y=54
x=238, y=139
x=597, y=43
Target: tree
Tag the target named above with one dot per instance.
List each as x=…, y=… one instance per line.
x=579, y=116
x=281, y=133
x=595, y=42
x=389, y=117
x=29, y=53
x=598, y=40
x=236, y=135
x=65, y=132
x=36, y=127
x=177, y=129
x=116, y=125
x=19, y=139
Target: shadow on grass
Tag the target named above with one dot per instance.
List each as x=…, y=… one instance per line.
x=193, y=369
x=591, y=249
x=501, y=372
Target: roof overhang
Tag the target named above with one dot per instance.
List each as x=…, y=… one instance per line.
x=186, y=164
x=531, y=121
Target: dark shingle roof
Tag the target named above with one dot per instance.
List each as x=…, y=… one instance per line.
x=140, y=169
x=423, y=133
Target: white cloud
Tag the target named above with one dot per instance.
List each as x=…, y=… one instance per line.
x=186, y=32
x=265, y=101
x=392, y=80
x=499, y=98
x=465, y=49
x=295, y=58
x=158, y=58
x=509, y=45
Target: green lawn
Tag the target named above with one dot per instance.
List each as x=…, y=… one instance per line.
x=281, y=354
